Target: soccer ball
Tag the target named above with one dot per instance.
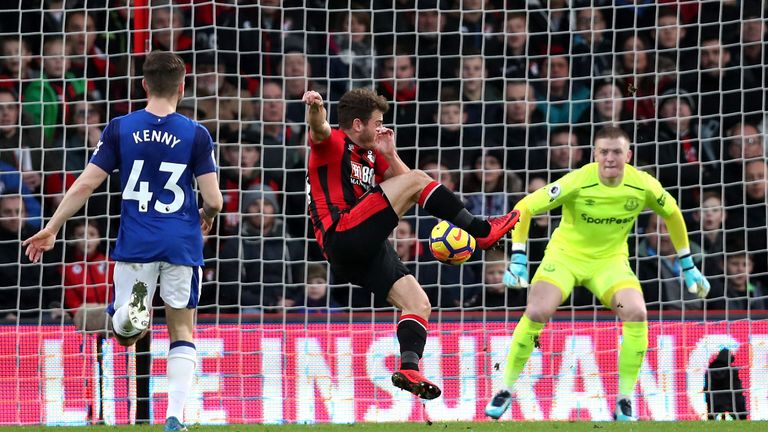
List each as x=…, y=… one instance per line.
x=451, y=244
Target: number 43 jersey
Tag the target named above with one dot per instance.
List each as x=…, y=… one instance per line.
x=158, y=158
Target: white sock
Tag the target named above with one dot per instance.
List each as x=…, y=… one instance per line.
x=121, y=324
x=182, y=359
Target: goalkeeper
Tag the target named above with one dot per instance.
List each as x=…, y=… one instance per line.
x=601, y=202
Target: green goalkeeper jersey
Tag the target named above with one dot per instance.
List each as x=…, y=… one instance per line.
x=597, y=218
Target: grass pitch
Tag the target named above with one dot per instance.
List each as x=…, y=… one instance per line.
x=693, y=426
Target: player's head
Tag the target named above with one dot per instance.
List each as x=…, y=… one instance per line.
x=611, y=153
x=164, y=75
x=361, y=111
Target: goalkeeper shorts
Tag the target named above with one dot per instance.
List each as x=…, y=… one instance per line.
x=358, y=247
x=603, y=276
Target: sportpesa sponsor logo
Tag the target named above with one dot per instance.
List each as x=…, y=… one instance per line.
x=606, y=220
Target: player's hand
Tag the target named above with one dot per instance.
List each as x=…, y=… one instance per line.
x=312, y=99
x=37, y=244
x=385, y=140
x=694, y=280
x=206, y=223
x=517, y=274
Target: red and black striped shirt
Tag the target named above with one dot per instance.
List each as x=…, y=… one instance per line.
x=339, y=173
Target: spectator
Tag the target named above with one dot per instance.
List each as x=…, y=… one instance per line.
x=17, y=69
x=240, y=171
x=87, y=275
x=46, y=98
x=472, y=22
x=659, y=271
x=488, y=188
x=634, y=68
x=169, y=32
x=283, y=144
x=82, y=132
x=450, y=136
x=257, y=269
x=481, y=98
x=509, y=52
x=437, y=48
x=607, y=110
x=525, y=133
x=753, y=215
x=316, y=298
x=398, y=84
x=225, y=104
x=743, y=142
x=721, y=95
x=753, y=47
x=683, y=164
x=712, y=222
x=592, y=48
x=297, y=73
x=86, y=58
x=19, y=145
x=564, y=101
x=494, y=295
x=21, y=293
x=351, y=53
x=565, y=153
x=743, y=292
x=672, y=53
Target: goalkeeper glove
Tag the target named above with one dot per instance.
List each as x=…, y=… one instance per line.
x=694, y=280
x=517, y=274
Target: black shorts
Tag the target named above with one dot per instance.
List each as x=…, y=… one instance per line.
x=358, y=248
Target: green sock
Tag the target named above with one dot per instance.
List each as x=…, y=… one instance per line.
x=633, y=347
x=524, y=338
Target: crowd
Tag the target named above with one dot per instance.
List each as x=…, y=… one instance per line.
x=492, y=98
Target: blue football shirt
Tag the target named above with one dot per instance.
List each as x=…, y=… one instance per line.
x=158, y=158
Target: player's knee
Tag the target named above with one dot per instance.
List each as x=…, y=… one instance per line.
x=420, y=307
x=539, y=313
x=421, y=178
x=634, y=314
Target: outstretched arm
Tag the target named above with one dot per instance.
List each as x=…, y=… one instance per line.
x=91, y=178
x=319, y=129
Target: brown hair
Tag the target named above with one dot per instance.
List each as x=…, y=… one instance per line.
x=611, y=132
x=360, y=103
x=163, y=72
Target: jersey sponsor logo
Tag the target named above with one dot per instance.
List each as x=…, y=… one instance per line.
x=631, y=204
x=554, y=192
x=662, y=199
x=362, y=175
x=606, y=220
x=155, y=136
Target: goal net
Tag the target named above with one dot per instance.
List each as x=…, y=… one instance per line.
x=493, y=98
